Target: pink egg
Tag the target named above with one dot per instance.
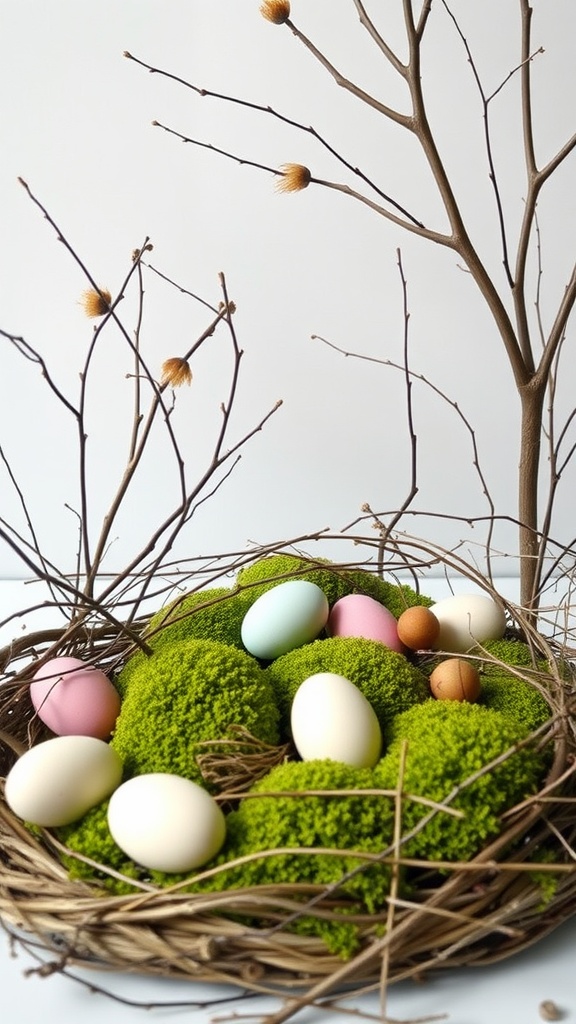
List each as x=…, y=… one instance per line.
x=75, y=699
x=359, y=615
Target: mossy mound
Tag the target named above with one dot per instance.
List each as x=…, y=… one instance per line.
x=90, y=837
x=514, y=697
x=447, y=746
x=312, y=824
x=336, y=582
x=520, y=696
x=388, y=680
x=512, y=652
x=214, y=614
x=354, y=824
x=185, y=693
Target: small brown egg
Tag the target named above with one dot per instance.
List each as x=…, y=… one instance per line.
x=418, y=628
x=455, y=679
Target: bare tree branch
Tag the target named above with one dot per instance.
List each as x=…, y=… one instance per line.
x=381, y=43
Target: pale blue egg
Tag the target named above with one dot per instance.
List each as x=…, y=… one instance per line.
x=286, y=616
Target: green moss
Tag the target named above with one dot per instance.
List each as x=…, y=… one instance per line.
x=388, y=680
x=547, y=881
x=214, y=614
x=353, y=823
x=334, y=581
x=448, y=742
x=356, y=824
x=512, y=652
x=504, y=691
x=185, y=693
x=515, y=698
x=508, y=693
x=91, y=838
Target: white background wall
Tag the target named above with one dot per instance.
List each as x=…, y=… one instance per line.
x=75, y=122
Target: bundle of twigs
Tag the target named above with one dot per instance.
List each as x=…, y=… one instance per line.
x=460, y=913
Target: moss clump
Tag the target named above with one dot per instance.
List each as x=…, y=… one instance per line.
x=388, y=680
x=514, y=697
x=334, y=581
x=357, y=824
x=503, y=691
x=185, y=693
x=353, y=823
x=508, y=693
x=91, y=838
x=214, y=614
x=512, y=652
x=448, y=742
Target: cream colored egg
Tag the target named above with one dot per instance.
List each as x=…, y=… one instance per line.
x=331, y=718
x=466, y=620
x=56, y=782
x=165, y=822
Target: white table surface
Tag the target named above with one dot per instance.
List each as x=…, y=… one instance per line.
x=506, y=993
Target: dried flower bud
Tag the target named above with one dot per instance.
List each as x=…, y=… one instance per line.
x=137, y=253
x=176, y=372
x=549, y=1011
x=276, y=11
x=294, y=178
x=96, y=303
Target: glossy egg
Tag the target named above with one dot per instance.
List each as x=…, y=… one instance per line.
x=468, y=619
x=165, y=822
x=360, y=615
x=418, y=628
x=75, y=699
x=331, y=718
x=455, y=679
x=57, y=781
x=286, y=616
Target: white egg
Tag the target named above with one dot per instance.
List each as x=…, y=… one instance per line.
x=57, y=781
x=285, y=617
x=166, y=822
x=331, y=718
x=467, y=619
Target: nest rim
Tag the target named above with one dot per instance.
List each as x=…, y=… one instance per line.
x=481, y=912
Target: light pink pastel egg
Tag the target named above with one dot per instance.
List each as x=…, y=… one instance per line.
x=75, y=699
x=359, y=615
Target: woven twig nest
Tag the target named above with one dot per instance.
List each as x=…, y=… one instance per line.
x=518, y=885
